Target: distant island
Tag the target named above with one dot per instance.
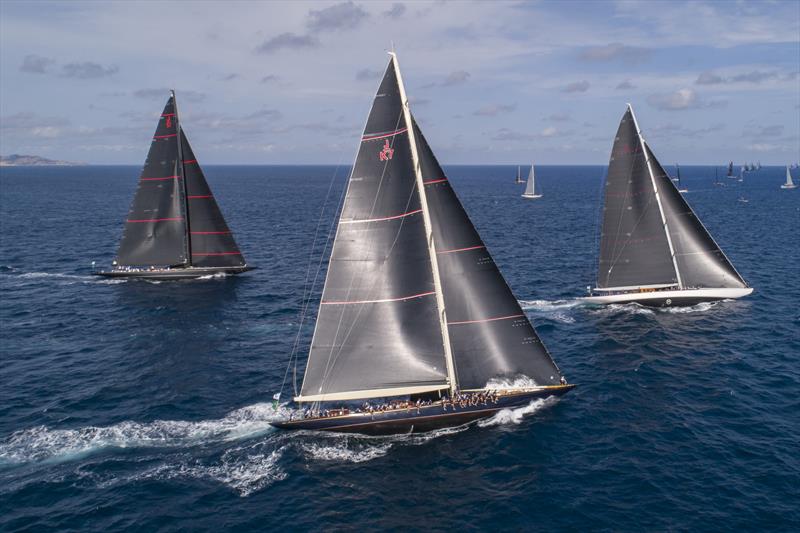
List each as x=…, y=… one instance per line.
x=17, y=160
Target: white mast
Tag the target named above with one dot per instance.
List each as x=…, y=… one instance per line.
x=658, y=199
x=448, y=354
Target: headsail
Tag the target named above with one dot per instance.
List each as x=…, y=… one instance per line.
x=700, y=261
x=490, y=335
x=378, y=331
x=789, y=182
x=212, y=243
x=155, y=231
x=634, y=248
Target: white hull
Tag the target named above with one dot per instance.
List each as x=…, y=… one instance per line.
x=669, y=298
x=784, y=186
x=532, y=196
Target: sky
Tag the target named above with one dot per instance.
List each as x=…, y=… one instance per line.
x=489, y=82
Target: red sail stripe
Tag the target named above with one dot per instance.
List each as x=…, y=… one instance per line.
x=434, y=181
x=159, y=179
x=190, y=161
x=379, y=219
x=380, y=301
x=484, y=320
x=216, y=253
x=383, y=135
x=200, y=196
x=167, y=114
x=210, y=232
x=156, y=219
x=461, y=249
x=164, y=136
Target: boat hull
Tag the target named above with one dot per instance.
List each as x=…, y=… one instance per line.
x=413, y=420
x=532, y=196
x=173, y=273
x=788, y=186
x=676, y=298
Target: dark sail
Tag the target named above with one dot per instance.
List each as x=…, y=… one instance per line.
x=378, y=331
x=155, y=230
x=634, y=250
x=490, y=335
x=701, y=263
x=212, y=243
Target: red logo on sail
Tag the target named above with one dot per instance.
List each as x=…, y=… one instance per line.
x=169, y=121
x=387, y=151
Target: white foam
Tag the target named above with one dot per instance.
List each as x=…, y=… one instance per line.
x=515, y=416
x=44, y=444
x=697, y=308
x=548, y=306
x=517, y=382
x=346, y=452
x=628, y=308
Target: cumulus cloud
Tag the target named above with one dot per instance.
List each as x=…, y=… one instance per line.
x=625, y=85
x=559, y=117
x=576, y=87
x=367, y=74
x=229, y=77
x=344, y=16
x=615, y=52
x=87, y=70
x=680, y=100
x=289, y=41
x=494, y=110
x=34, y=64
x=756, y=76
x=26, y=124
x=765, y=131
x=396, y=11
x=456, y=78
x=163, y=93
x=270, y=78
x=505, y=134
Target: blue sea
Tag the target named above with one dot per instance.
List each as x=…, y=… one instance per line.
x=133, y=405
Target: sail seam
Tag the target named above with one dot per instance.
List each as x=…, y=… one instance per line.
x=485, y=320
x=165, y=136
x=161, y=179
x=382, y=135
x=384, y=300
x=402, y=215
x=434, y=181
x=156, y=219
x=480, y=247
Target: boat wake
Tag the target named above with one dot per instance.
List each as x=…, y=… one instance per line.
x=65, y=279
x=558, y=310
x=515, y=416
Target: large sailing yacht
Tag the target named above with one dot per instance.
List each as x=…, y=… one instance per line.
x=417, y=329
x=174, y=229
x=653, y=248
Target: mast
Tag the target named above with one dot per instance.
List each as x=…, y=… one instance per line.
x=658, y=198
x=448, y=354
x=183, y=179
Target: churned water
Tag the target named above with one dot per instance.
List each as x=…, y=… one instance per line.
x=139, y=405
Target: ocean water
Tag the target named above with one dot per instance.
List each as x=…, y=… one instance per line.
x=146, y=406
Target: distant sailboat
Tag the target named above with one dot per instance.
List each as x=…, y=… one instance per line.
x=758, y=165
x=716, y=178
x=415, y=315
x=742, y=170
x=789, y=183
x=678, y=170
x=530, y=188
x=653, y=248
x=730, y=174
x=175, y=229
x=519, y=175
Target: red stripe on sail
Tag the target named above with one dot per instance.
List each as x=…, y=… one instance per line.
x=160, y=179
x=383, y=135
x=216, y=253
x=433, y=181
x=379, y=219
x=156, y=219
x=380, y=301
x=190, y=161
x=484, y=320
x=164, y=136
x=167, y=114
x=200, y=196
x=461, y=249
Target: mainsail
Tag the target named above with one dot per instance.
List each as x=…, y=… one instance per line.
x=789, y=183
x=489, y=333
x=530, y=187
x=212, y=243
x=155, y=230
x=413, y=302
x=378, y=330
x=634, y=248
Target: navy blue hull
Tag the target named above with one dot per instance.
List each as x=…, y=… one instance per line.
x=173, y=273
x=420, y=420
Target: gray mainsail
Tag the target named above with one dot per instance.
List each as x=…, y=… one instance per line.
x=700, y=261
x=634, y=248
x=155, y=230
x=490, y=336
x=378, y=330
x=530, y=187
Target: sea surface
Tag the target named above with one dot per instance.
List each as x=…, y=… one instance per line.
x=132, y=405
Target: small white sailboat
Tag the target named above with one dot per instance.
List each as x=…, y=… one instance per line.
x=742, y=170
x=519, y=175
x=789, y=183
x=530, y=188
x=678, y=179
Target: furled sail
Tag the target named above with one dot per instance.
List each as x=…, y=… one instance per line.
x=155, y=231
x=378, y=330
x=212, y=243
x=634, y=250
x=701, y=263
x=530, y=186
x=490, y=335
